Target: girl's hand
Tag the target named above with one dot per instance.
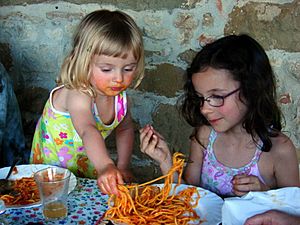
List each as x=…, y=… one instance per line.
x=273, y=217
x=242, y=184
x=153, y=144
x=127, y=175
x=109, y=179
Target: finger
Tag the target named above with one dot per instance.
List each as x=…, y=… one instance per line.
x=147, y=126
x=143, y=133
x=252, y=222
x=108, y=187
x=241, y=179
x=257, y=220
x=102, y=188
x=246, y=187
x=146, y=140
x=239, y=193
x=113, y=186
x=146, y=134
x=159, y=135
x=156, y=133
x=142, y=130
x=152, y=144
x=99, y=182
x=120, y=179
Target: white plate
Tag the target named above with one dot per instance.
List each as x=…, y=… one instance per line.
x=209, y=205
x=28, y=171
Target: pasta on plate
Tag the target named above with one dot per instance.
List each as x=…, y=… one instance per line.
x=24, y=192
x=156, y=204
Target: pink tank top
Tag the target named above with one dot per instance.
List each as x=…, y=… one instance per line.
x=217, y=177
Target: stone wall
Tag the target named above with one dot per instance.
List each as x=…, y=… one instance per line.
x=35, y=36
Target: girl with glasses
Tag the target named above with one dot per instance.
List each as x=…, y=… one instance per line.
x=237, y=145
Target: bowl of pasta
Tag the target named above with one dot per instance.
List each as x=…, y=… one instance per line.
x=165, y=203
x=185, y=204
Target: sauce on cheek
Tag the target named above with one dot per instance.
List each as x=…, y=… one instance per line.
x=99, y=83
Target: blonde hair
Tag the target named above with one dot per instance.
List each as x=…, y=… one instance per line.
x=112, y=33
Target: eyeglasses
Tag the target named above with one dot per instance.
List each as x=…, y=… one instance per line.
x=215, y=100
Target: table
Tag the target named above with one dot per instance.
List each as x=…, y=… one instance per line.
x=86, y=206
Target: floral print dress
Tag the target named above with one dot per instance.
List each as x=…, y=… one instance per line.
x=56, y=141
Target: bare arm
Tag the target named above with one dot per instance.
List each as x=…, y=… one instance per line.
x=285, y=169
x=192, y=173
x=79, y=106
x=193, y=170
x=125, y=140
x=285, y=162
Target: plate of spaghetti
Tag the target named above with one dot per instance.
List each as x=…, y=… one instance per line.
x=25, y=192
x=166, y=203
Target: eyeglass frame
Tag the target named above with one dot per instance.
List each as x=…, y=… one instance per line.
x=222, y=97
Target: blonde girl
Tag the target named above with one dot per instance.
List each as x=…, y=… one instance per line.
x=90, y=101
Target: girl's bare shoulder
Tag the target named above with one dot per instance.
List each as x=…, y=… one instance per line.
x=282, y=146
x=201, y=135
x=77, y=95
x=76, y=99
x=284, y=157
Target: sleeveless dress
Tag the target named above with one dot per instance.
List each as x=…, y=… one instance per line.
x=217, y=177
x=56, y=141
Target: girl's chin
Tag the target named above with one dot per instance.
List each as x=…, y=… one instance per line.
x=109, y=93
x=223, y=129
x=219, y=129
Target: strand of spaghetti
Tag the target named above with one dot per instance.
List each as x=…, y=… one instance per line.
x=175, y=168
x=168, y=181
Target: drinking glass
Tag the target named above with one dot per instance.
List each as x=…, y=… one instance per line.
x=53, y=183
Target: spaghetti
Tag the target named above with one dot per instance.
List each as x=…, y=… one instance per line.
x=148, y=204
x=24, y=192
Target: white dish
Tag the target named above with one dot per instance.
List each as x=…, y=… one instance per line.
x=28, y=171
x=209, y=206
